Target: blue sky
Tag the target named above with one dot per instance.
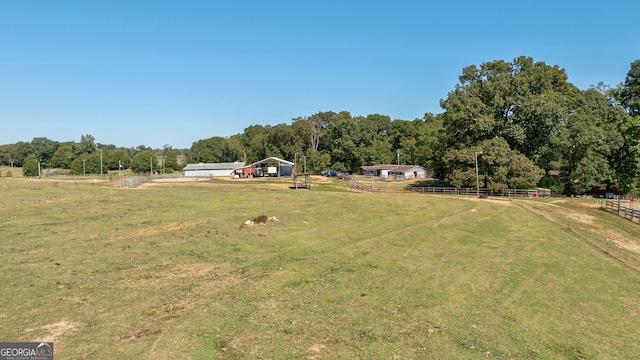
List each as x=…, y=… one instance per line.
x=174, y=72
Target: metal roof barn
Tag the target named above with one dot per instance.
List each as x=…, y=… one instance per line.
x=214, y=169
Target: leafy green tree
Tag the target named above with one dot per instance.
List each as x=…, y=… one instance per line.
x=171, y=161
x=499, y=166
x=143, y=162
x=19, y=152
x=86, y=164
x=5, y=154
x=629, y=93
x=116, y=158
x=317, y=125
x=317, y=161
x=522, y=102
x=30, y=167
x=87, y=145
x=43, y=149
x=63, y=157
x=597, y=148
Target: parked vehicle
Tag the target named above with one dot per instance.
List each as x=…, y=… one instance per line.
x=329, y=173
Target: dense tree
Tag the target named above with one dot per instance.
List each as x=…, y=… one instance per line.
x=63, y=157
x=629, y=93
x=87, y=145
x=30, y=167
x=117, y=158
x=43, y=149
x=597, y=147
x=144, y=162
x=499, y=166
x=5, y=154
x=86, y=164
x=522, y=102
x=19, y=153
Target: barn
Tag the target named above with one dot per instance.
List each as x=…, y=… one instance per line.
x=398, y=172
x=213, y=169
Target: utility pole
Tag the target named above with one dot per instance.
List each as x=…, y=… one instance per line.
x=477, y=178
x=84, y=167
x=39, y=176
x=100, y=162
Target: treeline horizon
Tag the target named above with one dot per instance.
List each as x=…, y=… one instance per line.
x=523, y=121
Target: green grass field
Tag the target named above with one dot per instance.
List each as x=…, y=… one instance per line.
x=171, y=271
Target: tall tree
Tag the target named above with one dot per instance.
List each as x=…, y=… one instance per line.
x=629, y=93
x=522, y=102
x=144, y=161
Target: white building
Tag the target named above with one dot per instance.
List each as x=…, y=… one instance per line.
x=208, y=170
x=399, y=172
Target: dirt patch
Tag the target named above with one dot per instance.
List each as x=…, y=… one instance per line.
x=164, y=227
x=56, y=331
x=622, y=241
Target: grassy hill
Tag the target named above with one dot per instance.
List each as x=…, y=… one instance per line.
x=170, y=271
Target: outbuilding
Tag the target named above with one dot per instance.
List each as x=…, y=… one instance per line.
x=212, y=169
x=398, y=172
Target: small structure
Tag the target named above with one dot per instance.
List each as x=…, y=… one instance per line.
x=304, y=184
x=399, y=172
x=213, y=169
x=283, y=168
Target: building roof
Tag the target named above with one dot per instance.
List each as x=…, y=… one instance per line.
x=214, y=166
x=391, y=167
x=272, y=158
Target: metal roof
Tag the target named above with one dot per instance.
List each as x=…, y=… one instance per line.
x=272, y=158
x=391, y=167
x=214, y=166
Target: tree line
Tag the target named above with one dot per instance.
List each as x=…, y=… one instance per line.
x=85, y=157
x=523, y=122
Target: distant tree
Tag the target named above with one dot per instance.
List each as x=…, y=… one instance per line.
x=63, y=157
x=629, y=93
x=116, y=158
x=5, y=154
x=86, y=164
x=317, y=126
x=520, y=101
x=43, y=149
x=317, y=161
x=143, y=161
x=499, y=166
x=597, y=149
x=30, y=167
x=87, y=145
x=19, y=152
x=171, y=161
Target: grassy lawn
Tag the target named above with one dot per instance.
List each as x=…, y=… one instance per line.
x=169, y=271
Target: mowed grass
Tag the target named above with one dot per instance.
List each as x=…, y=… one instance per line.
x=170, y=271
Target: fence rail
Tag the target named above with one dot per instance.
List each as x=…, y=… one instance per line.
x=624, y=209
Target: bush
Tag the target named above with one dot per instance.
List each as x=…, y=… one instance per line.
x=262, y=219
x=8, y=174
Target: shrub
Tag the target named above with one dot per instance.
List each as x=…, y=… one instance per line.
x=262, y=219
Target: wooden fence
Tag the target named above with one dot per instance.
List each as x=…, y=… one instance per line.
x=624, y=209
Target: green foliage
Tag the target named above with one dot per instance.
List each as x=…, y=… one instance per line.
x=86, y=164
x=499, y=167
x=30, y=167
x=144, y=162
x=63, y=157
x=629, y=93
x=117, y=158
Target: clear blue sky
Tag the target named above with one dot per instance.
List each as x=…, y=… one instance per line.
x=174, y=72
